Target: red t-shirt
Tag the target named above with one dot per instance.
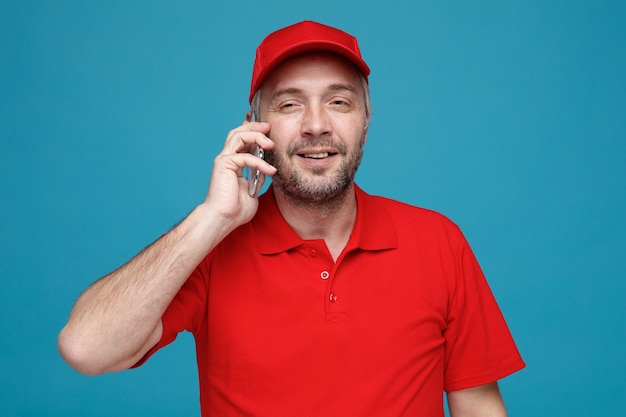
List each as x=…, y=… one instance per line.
x=282, y=330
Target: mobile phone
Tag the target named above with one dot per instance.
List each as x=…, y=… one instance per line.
x=254, y=175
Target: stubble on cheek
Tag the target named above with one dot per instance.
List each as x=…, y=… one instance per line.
x=319, y=187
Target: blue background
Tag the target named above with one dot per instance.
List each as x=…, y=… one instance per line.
x=508, y=117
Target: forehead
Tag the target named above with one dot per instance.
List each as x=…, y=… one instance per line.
x=313, y=69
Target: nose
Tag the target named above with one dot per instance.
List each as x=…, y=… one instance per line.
x=316, y=121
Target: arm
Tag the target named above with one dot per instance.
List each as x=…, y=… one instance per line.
x=118, y=318
x=481, y=401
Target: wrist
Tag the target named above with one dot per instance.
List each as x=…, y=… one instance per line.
x=205, y=226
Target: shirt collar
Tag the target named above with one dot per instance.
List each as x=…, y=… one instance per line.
x=373, y=230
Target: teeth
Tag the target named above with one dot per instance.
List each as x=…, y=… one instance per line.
x=316, y=155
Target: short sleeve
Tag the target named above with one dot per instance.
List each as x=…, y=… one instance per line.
x=479, y=346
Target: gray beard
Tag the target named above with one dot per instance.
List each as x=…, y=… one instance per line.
x=324, y=197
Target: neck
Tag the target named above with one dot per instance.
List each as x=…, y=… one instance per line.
x=330, y=220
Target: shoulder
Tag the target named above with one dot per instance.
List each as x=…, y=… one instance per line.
x=405, y=214
x=414, y=228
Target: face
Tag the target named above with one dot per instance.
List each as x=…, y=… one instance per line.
x=315, y=104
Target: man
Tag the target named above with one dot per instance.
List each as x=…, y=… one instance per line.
x=315, y=299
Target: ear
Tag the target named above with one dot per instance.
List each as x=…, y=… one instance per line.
x=248, y=115
x=365, y=130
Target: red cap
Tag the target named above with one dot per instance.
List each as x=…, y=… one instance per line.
x=303, y=37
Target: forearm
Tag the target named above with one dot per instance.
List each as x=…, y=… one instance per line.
x=118, y=318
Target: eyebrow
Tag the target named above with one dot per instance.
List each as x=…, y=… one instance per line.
x=337, y=87
x=343, y=87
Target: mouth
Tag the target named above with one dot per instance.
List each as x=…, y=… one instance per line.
x=316, y=155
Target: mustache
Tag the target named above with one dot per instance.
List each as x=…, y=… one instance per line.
x=324, y=142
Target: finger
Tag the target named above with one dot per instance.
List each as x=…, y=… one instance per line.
x=247, y=126
x=255, y=163
x=240, y=140
x=237, y=161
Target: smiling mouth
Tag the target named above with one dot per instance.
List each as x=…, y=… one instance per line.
x=319, y=155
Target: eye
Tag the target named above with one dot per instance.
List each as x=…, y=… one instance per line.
x=288, y=106
x=340, y=104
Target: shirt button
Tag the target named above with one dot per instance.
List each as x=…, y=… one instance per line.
x=313, y=253
x=324, y=275
x=333, y=298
